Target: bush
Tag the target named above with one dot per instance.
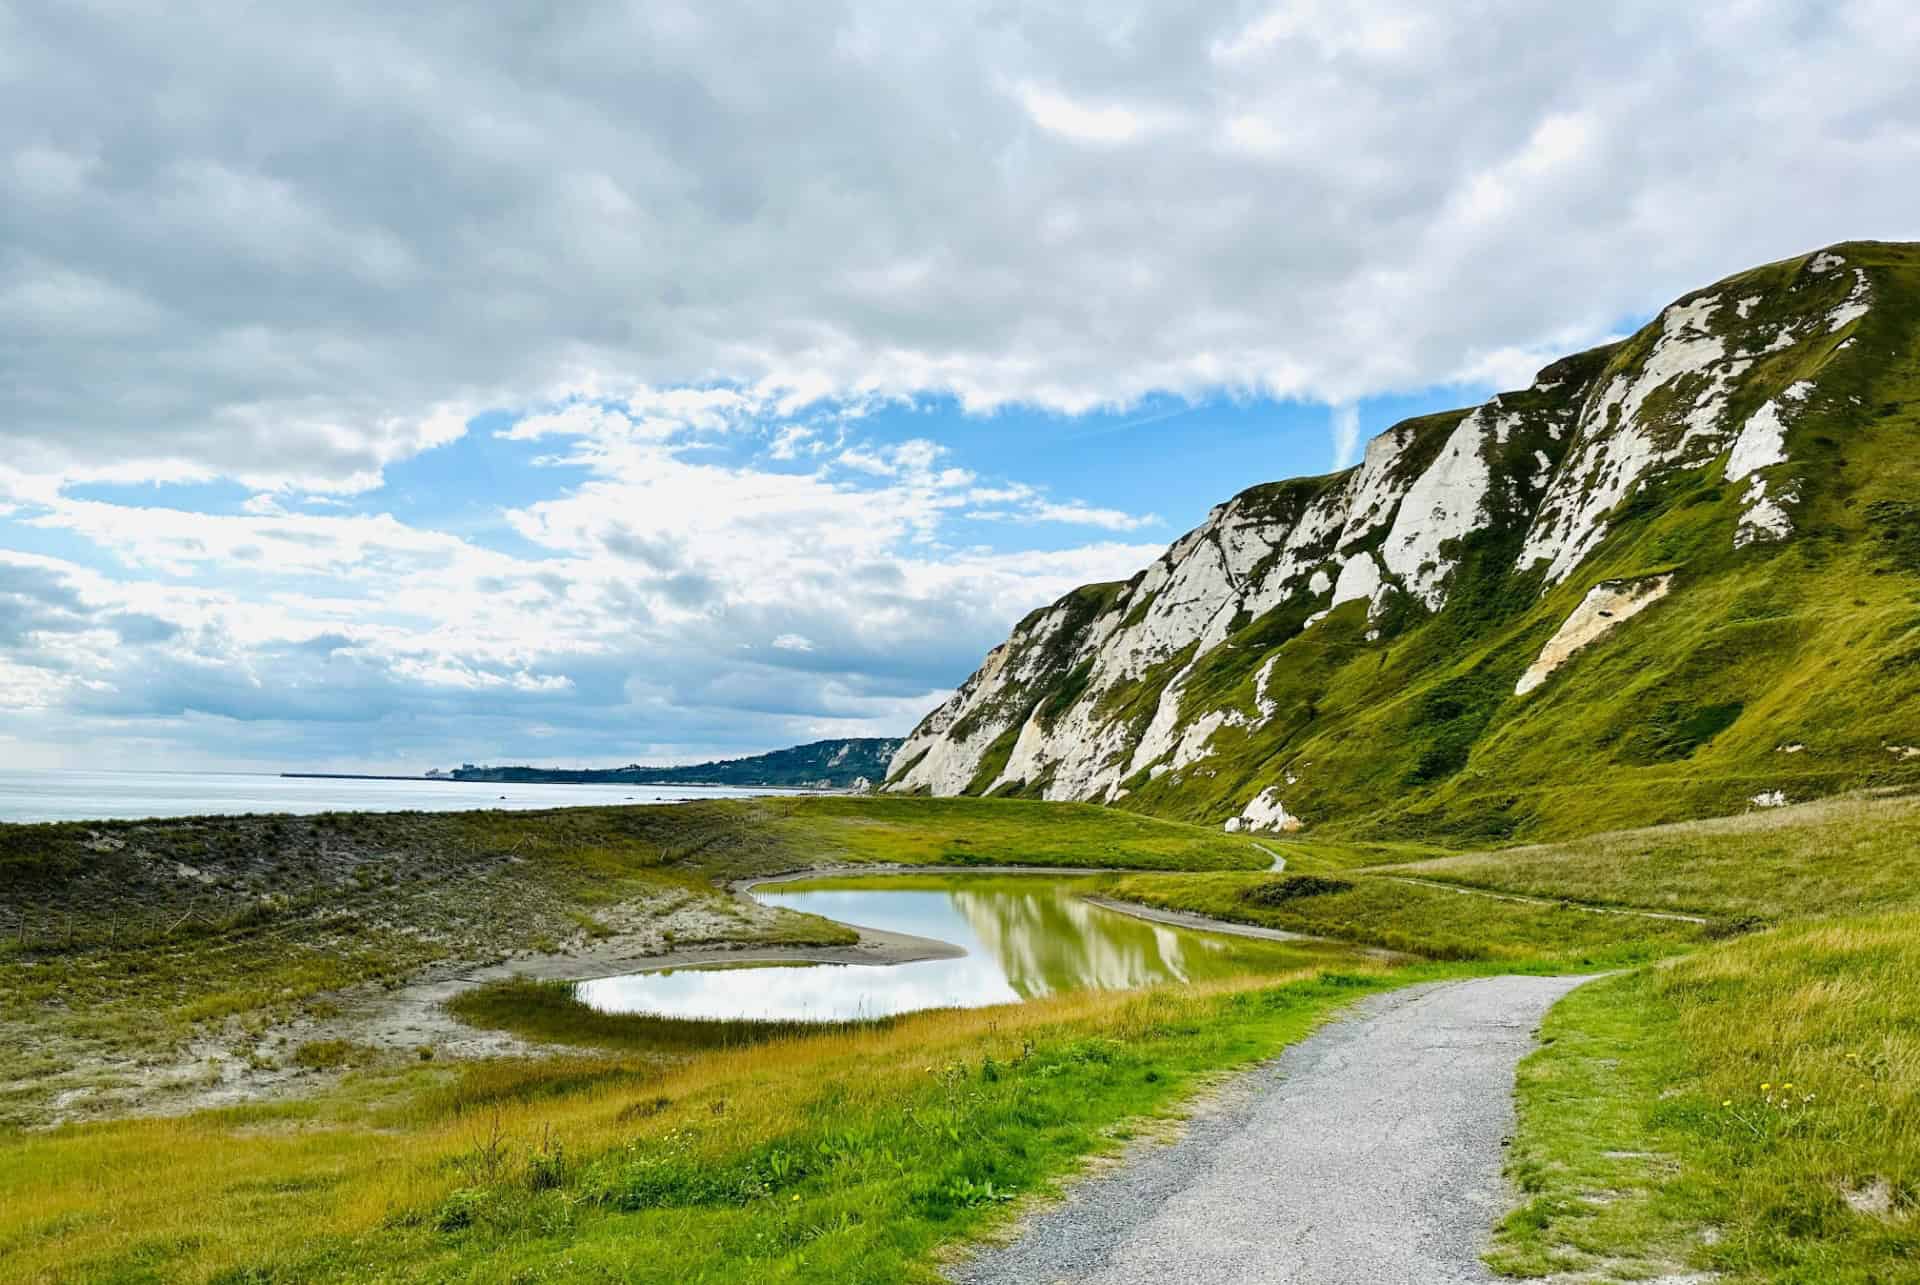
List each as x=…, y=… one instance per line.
x=1277, y=892
x=1734, y=926
x=328, y=1055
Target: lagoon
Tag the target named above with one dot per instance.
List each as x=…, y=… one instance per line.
x=1025, y=936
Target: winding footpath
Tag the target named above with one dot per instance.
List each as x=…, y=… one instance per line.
x=1367, y=1154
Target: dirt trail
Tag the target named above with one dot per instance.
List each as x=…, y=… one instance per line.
x=1367, y=1154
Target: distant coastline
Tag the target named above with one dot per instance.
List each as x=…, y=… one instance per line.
x=359, y=776
x=521, y=776
x=852, y=763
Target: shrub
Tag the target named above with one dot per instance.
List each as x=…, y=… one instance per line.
x=1277, y=892
x=328, y=1055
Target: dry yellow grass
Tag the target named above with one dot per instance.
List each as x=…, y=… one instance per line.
x=368, y=1167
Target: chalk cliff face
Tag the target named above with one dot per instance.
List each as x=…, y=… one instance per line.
x=1326, y=649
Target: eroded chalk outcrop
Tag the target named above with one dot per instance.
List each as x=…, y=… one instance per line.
x=1606, y=606
x=1265, y=813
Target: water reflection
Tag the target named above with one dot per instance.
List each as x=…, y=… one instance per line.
x=1025, y=936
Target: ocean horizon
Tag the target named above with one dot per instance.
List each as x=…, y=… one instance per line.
x=28, y=796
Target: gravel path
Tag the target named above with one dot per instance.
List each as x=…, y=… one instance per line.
x=1279, y=862
x=1367, y=1154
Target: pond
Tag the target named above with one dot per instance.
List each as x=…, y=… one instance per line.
x=1024, y=936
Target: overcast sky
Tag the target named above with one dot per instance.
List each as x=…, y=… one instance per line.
x=591, y=383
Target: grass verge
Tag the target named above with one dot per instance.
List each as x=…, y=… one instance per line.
x=1752, y=1111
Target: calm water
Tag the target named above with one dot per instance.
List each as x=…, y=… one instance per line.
x=101, y=796
x=1025, y=936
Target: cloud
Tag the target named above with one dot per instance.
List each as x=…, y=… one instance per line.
x=1035, y=509
x=307, y=274
x=698, y=255
x=371, y=640
x=1059, y=114
x=791, y=440
x=1346, y=434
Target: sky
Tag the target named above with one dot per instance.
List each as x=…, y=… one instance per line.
x=385, y=387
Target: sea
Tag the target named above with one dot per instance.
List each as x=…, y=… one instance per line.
x=102, y=796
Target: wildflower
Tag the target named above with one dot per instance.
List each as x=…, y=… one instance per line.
x=1766, y=1086
x=1727, y=1103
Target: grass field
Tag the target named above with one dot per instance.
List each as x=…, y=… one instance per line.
x=847, y=1157
x=1436, y=923
x=1739, y=1097
x=1854, y=853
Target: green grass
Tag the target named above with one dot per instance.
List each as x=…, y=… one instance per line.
x=1433, y=922
x=330, y=1055
x=1839, y=855
x=865, y=1151
x=1312, y=853
x=1720, y=1112
x=967, y=831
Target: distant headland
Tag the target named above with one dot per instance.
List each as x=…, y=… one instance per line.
x=845, y=764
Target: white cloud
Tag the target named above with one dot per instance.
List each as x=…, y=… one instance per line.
x=792, y=439
x=673, y=237
x=1315, y=200
x=1059, y=114
x=1365, y=31
x=364, y=640
x=1074, y=513
x=178, y=541
x=1346, y=435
